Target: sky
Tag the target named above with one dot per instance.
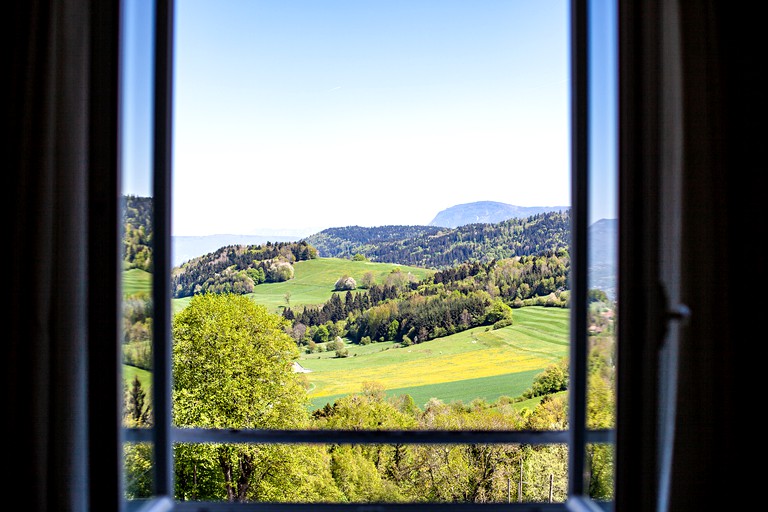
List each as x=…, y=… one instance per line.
x=294, y=116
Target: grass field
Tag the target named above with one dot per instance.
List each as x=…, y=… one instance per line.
x=145, y=377
x=531, y=403
x=135, y=281
x=488, y=388
x=477, y=363
x=314, y=279
x=313, y=282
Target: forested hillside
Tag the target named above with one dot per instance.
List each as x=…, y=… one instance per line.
x=137, y=235
x=449, y=301
x=441, y=248
x=238, y=268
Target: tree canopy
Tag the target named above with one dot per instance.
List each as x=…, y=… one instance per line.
x=232, y=366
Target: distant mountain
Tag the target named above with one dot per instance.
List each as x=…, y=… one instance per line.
x=487, y=212
x=602, y=257
x=184, y=248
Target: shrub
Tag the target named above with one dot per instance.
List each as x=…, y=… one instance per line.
x=345, y=282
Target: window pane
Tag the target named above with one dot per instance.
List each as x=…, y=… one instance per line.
x=371, y=473
x=388, y=180
x=602, y=241
x=138, y=471
x=137, y=210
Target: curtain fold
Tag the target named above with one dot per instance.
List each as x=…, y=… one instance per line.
x=46, y=367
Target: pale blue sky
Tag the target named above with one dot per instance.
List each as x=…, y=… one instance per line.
x=303, y=115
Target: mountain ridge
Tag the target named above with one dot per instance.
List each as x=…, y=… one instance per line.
x=487, y=212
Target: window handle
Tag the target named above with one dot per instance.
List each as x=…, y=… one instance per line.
x=679, y=312
x=667, y=313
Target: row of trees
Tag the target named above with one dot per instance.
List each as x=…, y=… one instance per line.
x=452, y=300
x=232, y=369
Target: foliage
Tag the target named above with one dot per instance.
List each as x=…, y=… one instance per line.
x=552, y=380
x=137, y=330
x=232, y=366
x=440, y=248
x=344, y=283
x=232, y=369
x=446, y=302
x=137, y=232
x=138, y=468
x=238, y=268
x=137, y=411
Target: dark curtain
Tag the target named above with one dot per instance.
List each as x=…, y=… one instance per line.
x=692, y=96
x=61, y=134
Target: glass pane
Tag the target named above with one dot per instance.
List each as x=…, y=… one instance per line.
x=138, y=472
x=388, y=184
x=371, y=473
x=137, y=210
x=602, y=241
x=600, y=467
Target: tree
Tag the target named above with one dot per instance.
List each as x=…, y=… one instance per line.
x=232, y=369
x=279, y=271
x=596, y=295
x=553, y=379
x=136, y=412
x=392, y=330
x=345, y=282
x=499, y=311
x=368, y=279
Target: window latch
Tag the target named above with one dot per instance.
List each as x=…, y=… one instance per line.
x=669, y=313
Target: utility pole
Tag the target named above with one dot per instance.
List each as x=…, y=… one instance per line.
x=520, y=484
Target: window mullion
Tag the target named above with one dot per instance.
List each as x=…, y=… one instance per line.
x=162, y=137
x=578, y=253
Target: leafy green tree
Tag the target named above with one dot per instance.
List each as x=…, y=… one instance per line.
x=394, y=325
x=358, y=478
x=232, y=369
x=256, y=274
x=321, y=334
x=368, y=280
x=136, y=411
x=498, y=311
x=280, y=271
x=553, y=379
x=138, y=465
x=596, y=295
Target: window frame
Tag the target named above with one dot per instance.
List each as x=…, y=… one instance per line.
x=163, y=435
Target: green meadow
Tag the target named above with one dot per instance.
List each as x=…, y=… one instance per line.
x=145, y=377
x=477, y=363
x=136, y=281
x=313, y=282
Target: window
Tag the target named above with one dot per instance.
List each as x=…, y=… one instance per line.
x=689, y=85
x=591, y=184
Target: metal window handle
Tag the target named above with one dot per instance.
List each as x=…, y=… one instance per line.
x=679, y=312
